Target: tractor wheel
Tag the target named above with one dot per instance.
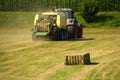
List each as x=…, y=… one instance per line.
x=62, y=35
x=65, y=35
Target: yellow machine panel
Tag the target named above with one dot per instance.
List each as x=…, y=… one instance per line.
x=61, y=20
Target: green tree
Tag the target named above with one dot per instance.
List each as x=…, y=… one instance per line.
x=88, y=10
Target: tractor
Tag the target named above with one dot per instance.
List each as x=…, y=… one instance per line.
x=56, y=25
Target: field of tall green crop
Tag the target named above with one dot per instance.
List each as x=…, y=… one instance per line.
x=24, y=59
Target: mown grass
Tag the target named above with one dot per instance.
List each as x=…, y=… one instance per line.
x=24, y=59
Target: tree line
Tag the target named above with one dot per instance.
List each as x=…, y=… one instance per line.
x=37, y=5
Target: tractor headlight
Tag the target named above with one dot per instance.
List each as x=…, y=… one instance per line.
x=70, y=22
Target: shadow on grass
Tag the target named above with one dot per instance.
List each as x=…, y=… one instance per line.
x=81, y=39
x=72, y=39
x=93, y=63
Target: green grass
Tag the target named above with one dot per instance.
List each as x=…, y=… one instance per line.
x=102, y=19
x=16, y=19
x=24, y=59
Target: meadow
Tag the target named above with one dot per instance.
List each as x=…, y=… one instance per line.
x=24, y=59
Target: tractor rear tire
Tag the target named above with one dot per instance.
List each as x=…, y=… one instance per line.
x=64, y=35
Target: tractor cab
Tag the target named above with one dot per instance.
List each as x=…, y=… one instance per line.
x=68, y=12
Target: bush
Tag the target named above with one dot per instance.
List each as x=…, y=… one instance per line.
x=88, y=10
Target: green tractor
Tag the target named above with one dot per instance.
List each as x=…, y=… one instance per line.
x=58, y=25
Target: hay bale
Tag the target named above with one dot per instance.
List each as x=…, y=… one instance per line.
x=77, y=59
x=86, y=58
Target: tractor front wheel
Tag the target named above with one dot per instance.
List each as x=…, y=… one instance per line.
x=63, y=34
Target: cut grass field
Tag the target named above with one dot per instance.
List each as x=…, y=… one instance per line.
x=24, y=59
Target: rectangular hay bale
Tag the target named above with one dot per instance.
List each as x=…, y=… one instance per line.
x=77, y=59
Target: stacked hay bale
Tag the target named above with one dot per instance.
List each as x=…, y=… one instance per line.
x=86, y=58
x=77, y=59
